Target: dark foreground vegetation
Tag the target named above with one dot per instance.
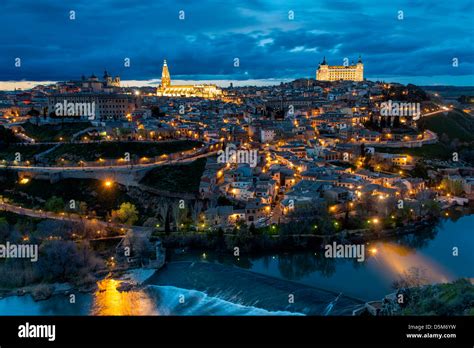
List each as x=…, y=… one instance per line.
x=176, y=178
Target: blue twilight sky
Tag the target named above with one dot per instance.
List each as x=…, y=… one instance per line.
x=419, y=49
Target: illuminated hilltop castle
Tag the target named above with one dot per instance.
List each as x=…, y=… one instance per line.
x=202, y=91
x=327, y=72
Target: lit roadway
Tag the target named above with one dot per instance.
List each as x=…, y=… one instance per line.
x=443, y=109
x=72, y=217
x=124, y=167
x=125, y=174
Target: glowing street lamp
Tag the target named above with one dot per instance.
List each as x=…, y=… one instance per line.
x=24, y=181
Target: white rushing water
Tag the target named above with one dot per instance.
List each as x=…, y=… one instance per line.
x=195, y=302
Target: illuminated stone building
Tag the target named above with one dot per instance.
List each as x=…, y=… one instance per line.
x=107, y=106
x=327, y=72
x=94, y=84
x=201, y=90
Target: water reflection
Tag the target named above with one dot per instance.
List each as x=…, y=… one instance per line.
x=109, y=301
x=420, y=239
x=395, y=260
x=297, y=266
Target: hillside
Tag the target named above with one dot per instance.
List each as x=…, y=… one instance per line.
x=176, y=178
x=455, y=124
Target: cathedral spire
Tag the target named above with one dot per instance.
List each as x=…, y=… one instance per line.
x=165, y=76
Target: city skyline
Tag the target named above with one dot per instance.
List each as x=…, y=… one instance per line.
x=242, y=158
x=274, y=41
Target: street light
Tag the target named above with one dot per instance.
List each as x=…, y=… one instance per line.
x=24, y=181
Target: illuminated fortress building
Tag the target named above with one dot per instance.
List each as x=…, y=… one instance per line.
x=201, y=90
x=327, y=72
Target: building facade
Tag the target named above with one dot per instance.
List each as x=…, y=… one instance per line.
x=327, y=72
x=103, y=106
x=91, y=84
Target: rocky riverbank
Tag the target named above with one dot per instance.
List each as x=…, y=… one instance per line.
x=449, y=299
x=41, y=292
x=265, y=243
x=128, y=279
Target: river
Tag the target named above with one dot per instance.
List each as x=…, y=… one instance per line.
x=281, y=284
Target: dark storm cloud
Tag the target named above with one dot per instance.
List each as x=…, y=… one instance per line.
x=259, y=33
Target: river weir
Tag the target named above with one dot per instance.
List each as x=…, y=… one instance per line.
x=192, y=288
x=252, y=289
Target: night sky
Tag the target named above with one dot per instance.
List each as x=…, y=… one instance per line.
x=419, y=49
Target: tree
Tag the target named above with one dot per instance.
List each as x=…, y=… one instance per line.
x=182, y=218
x=453, y=187
x=151, y=222
x=65, y=260
x=55, y=204
x=51, y=227
x=252, y=229
x=420, y=170
x=445, y=138
x=155, y=112
x=396, y=122
x=432, y=208
x=7, y=136
x=140, y=245
x=4, y=229
x=413, y=277
x=82, y=208
x=127, y=214
x=456, y=298
x=33, y=112
x=168, y=220
x=222, y=200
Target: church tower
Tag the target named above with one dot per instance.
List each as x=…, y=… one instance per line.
x=107, y=79
x=165, y=76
